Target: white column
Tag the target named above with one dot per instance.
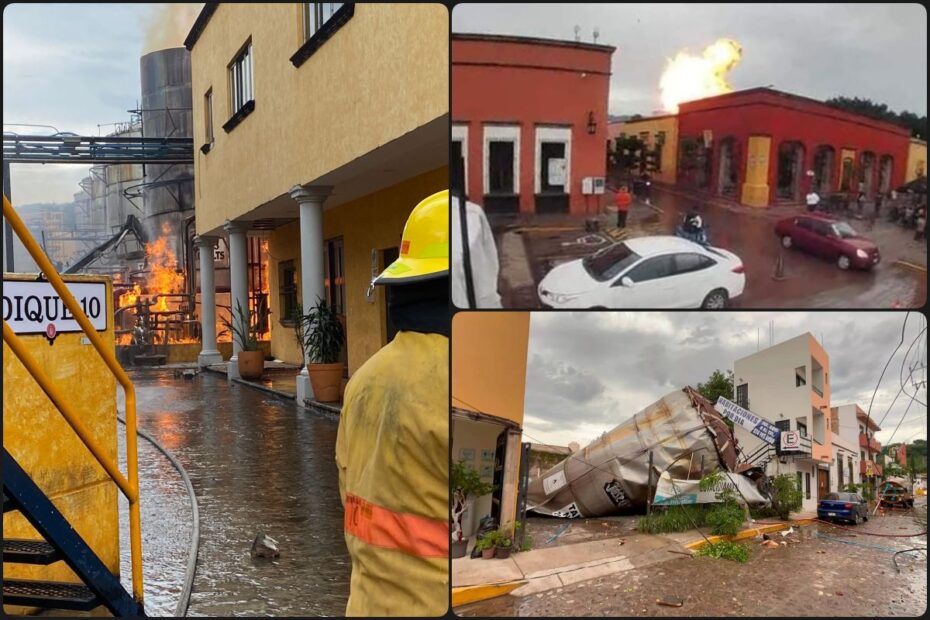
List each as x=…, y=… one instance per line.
x=310, y=201
x=209, y=354
x=238, y=284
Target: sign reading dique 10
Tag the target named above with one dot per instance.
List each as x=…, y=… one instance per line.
x=35, y=307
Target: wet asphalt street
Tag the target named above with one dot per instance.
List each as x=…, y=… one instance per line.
x=810, y=282
x=255, y=462
x=826, y=571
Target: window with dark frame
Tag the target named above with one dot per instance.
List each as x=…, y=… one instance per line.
x=334, y=275
x=500, y=167
x=802, y=428
x=800, y=376
x=287, y=287
x=807, y=485
x=742, y=395
x=316, y=14
x=240, y=79
x=783, y=425
x=208, y=116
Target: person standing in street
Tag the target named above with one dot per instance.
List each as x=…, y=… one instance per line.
x=813, y=199
x=392, y=447
x=623, y=202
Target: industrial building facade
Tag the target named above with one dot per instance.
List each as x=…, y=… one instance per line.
x=762, y=147
x=317, y=132
x=529, y=122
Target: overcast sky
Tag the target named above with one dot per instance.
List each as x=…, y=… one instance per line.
x=878, y=51
x=587, y=372
x=72, y=66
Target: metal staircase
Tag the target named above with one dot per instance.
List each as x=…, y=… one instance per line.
x=61, y=543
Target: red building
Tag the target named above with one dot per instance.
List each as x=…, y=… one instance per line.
x=529, y=122
x=763, y=147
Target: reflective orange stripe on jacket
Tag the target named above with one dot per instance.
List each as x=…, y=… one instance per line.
x=381, y=527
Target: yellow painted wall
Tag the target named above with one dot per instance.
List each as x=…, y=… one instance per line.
x=756, y=187
x=668, y=173
x=383, y=74
x=38, y=437
x=916, y=160
x=375, y=221
x=489, y=362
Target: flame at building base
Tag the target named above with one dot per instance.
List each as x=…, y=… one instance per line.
x=688, y=77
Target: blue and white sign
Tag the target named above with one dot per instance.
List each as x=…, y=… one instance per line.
x=747, y=420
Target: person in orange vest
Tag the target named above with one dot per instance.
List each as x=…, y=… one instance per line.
x=392, y=447
x=623, y=200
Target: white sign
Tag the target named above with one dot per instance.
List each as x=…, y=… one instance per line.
x=556, y=171
x=554, y=482
x=670, y=491
x=747, y=420
x=35, y=307
x=790, y=440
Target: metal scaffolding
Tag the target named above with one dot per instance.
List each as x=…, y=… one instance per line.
x=74, y=149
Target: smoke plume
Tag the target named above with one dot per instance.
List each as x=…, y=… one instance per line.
x=168, y=25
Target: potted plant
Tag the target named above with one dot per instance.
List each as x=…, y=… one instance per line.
x=251, y=358
x=324, y=336
x=487, y=544
x=504, y=544
x=466, y=486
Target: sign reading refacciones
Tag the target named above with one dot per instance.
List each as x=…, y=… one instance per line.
x=747, y=420
x=32, y=307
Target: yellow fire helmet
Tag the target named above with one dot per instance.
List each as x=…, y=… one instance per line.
x=424, y=247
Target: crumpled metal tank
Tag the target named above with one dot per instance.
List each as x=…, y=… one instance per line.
x=611, y=474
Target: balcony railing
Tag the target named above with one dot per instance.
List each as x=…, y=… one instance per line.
x=869, y=442
x=864, y=466
x=817, y=390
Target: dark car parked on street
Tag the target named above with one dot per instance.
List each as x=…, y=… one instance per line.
x=829, y=238
x=843, y=506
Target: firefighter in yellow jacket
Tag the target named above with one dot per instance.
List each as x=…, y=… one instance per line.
x=393, y=444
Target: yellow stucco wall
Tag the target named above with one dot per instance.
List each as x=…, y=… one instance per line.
x=38, y=437
x=668, y=172
x=375, y=221
x=489, y=362
x=916, y=160
x=383, y=74
x=756, y=188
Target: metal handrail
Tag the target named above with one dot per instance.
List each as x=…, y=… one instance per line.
x=129, y=485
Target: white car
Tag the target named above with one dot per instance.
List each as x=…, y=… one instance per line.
x=646, y=272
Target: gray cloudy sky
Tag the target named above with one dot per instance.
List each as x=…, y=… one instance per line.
x=878, y=51
x=72, y=66
x=589, y=371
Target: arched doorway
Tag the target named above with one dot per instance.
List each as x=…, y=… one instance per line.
x=824, y=158
x=790, y=169
x=885, y=168
x=867, y=173
x=728, y=167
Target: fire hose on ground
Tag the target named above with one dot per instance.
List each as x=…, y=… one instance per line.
x=184, y=600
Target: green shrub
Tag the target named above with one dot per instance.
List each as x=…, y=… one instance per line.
x=672, y=519
x=786, y=496
x=527, y=542
x=725, y=519
x=726, y=549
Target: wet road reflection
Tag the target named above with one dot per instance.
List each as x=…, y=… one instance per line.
x=255, y=462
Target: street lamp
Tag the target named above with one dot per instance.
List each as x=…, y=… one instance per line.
x=592, y=124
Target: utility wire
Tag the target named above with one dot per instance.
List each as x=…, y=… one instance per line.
x=868, y=414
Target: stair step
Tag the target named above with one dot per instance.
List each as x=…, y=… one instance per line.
x=29, y=552
x=49, y=595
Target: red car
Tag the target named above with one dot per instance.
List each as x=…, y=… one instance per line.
x=823, y=236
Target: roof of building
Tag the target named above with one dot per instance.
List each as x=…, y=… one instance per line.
x=791, y=97
x=862, y=415
x=209, y=8
x=644, y=119
x=550, y=449
x=509, y=38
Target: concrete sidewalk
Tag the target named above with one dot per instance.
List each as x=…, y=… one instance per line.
x=555, y=567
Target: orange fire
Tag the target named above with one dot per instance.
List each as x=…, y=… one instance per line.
x=129, y=298
x=688, y=77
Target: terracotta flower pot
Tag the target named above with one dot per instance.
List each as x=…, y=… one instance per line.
x=458, y=548
x=487, y=554
x=251, y=364
x=503, y=552
x=326, y=380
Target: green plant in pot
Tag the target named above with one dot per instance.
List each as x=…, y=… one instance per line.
x=246, y=332
x=466, y=487
x=487, y=544
x=504, y=544
x=324, y=337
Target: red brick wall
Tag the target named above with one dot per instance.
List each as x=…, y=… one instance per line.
x=530, y=83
